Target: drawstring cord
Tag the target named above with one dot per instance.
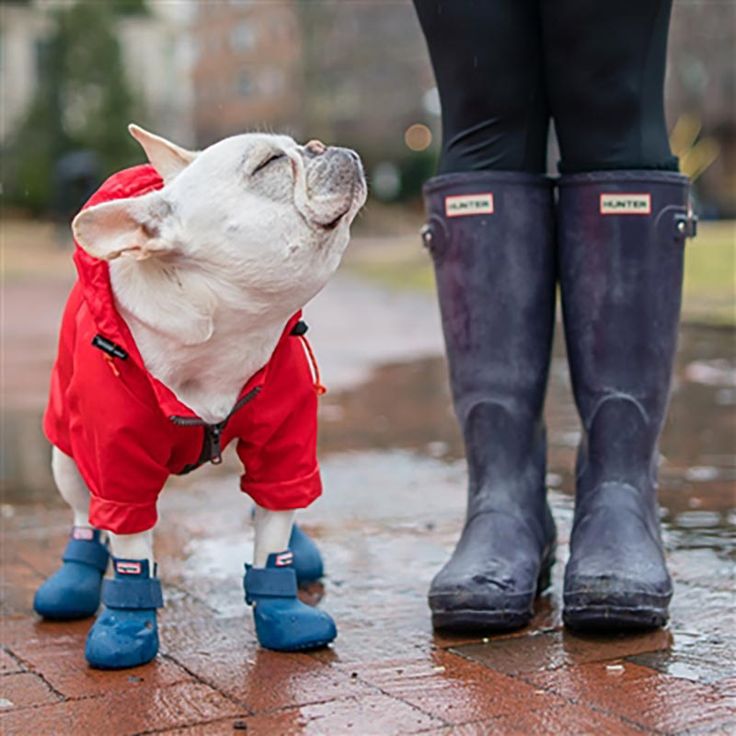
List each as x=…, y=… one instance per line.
x=111, y=363
x=318, y=385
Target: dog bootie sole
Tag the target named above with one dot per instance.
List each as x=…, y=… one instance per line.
x=308, y=564
x=125, y=634
x=283, y=623
x=73, y=591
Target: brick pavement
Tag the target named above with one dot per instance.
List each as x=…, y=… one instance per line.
x=390, y=514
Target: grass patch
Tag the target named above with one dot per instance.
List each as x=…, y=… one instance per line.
x=710, y=275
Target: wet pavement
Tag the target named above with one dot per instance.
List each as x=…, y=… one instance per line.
x=392, y=509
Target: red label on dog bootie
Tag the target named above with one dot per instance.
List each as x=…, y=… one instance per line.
x=128, y=568
x=284, y=559
x=83, y=533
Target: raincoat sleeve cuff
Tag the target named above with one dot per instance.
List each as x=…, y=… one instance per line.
x=284, y=495
x=122, y=518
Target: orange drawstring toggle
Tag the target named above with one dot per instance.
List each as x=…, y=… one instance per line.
x=319, y=387
x=111, y=362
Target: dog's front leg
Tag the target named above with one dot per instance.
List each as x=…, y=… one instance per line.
x=133, y=547
x=125, y=634
x=273, y=529
x=282, y=621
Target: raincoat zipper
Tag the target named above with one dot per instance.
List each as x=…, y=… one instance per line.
x=211, y=445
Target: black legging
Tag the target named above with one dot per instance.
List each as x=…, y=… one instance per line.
x=505, y=67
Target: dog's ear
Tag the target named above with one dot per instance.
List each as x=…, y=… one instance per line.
x=130, y=227
x=166, y=157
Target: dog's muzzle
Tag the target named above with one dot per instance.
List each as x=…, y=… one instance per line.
x=335, y=181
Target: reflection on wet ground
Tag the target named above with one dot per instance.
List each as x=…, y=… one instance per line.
x=407, y=407
x=392, y=509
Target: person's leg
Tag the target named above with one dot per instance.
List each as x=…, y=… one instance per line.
x=622, y=221
x=490, y=234
x=604, y=67
x=486, y=58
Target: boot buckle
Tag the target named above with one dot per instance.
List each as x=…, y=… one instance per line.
x=426, y=234
x=686, y=224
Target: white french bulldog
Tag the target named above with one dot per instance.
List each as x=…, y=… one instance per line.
x=206, y=272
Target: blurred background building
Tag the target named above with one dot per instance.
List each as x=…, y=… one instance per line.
x=74, y=72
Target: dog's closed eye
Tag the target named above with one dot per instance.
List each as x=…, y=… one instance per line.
x=268, y=160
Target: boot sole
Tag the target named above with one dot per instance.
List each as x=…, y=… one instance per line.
x=506, y=619
x=602, y=617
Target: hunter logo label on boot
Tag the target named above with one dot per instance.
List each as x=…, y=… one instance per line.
x=459, y=205
x=626, y=204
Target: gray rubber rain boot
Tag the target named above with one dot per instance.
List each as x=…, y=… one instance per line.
x=621, y=238
x=491, y=239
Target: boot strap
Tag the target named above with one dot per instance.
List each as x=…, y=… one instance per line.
x=269, y=582
x=89, y=553
x=132, y=594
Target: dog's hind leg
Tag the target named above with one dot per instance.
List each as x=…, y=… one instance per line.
x=73, y=591
x=71, y=486
x=282, y=621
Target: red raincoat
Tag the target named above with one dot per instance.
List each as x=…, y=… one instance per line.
x=127, y=432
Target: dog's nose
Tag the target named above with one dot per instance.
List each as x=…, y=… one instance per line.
x=316, y=147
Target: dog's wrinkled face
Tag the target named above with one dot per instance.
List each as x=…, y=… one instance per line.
x=253, y=212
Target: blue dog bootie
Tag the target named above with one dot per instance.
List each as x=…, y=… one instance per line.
x=125, y=634
x=73, y=591
x=308, y=564
x=283, y=622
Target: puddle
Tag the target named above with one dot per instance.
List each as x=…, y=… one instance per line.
x=402, y=417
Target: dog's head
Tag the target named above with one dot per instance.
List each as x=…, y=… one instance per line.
x=260, y=216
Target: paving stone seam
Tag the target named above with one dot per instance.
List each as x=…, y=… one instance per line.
x=29, y=668
x=400, y=699
x=201, y=680
x=570, y=701
x=16, y=659
x=30, y=706
x=600, y=709
x=209, y=722
x=100, y=696
x=324, y=701
x=357, y=699
x=490, y=721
